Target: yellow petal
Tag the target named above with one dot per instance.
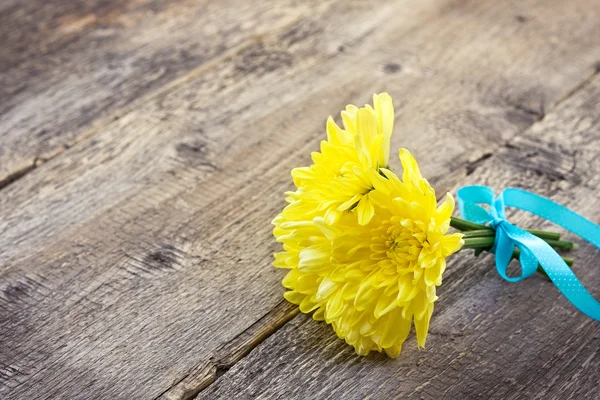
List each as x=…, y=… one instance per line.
x=434, y=273
x=282, y=260
x=334, y=133
x=394, y=350
x=452, y=243
x=349, y=203
x=350, y=289
x=294, y=297
x=384, y=109
x=335, y=306
x=332, y=216
x=394, y=331
x=384, y=305
x=366, y=328
x=406, y=289
x=307, y=283
x=420, y=306
x=330, y=232
x=291, y=278
x=411, y=168
x=367, y=135
x=430, y=294
x=349, y=118
x=422, y=326
x=307, y=305
x=302, y=173
x=365, y=296
x=326, y=289
x=314, y=259
x=319, y=314
x=367, y=124
x=365, y=210
x=444, y=211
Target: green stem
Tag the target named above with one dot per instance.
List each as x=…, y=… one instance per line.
x=562, y=244
x=472, y=230
x=482, y=237
x=479, y=233
x=485, y=243
x=463, y=225
x=546, y=235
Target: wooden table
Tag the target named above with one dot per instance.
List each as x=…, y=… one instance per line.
x=145, y=147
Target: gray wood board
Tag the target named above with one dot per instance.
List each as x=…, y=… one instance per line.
x=67, y=68
x=129, y=260
x=489, y=338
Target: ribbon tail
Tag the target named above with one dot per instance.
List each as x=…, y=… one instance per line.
x=533, y=249
x=566, y=282
x=557, y=270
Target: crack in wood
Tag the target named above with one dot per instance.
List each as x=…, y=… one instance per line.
x=206, y=373
x=18, y=174
x=219, y=361
x=472, y=166
x=580, y=87
x=217, y=367
x=541, y=115
x=230, y=353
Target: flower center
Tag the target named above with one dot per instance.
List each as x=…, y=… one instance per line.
x=404, y=244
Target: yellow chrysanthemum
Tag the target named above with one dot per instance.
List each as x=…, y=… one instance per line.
x=366, y=250
x=341, y=177
x=370, y=281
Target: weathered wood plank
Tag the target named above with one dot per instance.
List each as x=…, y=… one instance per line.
x=133, y=256
x=69, y=67
x=489, y=338
x=228, y=354
x=33, y=29
x=143, y=268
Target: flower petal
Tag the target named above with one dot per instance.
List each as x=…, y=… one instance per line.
x=452, y=243
x=365, y=210
x=422, y=326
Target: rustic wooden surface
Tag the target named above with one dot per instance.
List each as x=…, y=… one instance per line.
x=489, y=339
x=145, y=147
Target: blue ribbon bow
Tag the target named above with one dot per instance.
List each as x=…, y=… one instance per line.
x=533, y=250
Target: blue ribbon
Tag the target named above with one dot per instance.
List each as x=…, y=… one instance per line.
x=533, y=250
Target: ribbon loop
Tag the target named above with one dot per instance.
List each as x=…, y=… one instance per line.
x=533, y=250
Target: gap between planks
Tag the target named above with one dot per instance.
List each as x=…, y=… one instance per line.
x=471, y=166
x=233, y=351
x=230, y=353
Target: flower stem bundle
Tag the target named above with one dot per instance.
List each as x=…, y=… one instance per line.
x=482, y=238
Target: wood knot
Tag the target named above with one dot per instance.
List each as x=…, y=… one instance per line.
x=392, y=68
x=521, y=18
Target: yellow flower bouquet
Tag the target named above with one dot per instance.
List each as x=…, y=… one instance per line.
x=366, y=249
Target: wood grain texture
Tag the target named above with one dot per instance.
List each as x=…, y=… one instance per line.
x=149, y=266
x=489, y=338
x=228, y=354
x=69, y=67
x=34, y=29
x=135, y=255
